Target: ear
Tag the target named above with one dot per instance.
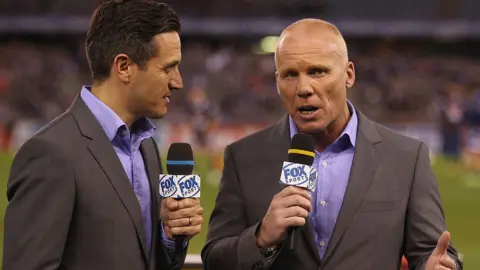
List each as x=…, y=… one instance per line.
x=350, y=75
x=276, y=77
x=123, y=68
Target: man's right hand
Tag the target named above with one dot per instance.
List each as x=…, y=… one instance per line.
x=181, y=217
x=288, y=208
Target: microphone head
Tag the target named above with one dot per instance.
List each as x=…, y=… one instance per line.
x=302, y=149
x=180, y=159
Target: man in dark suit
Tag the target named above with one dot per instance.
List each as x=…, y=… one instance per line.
x=83, y=192
x=376, y=197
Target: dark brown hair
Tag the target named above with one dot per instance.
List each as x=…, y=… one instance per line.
x=126, y=26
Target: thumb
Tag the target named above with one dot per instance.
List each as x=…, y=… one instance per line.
x=442, y=244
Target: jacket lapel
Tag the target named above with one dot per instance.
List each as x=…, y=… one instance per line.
x=153, y=168
x=364, y=165
x=280, y=139
x=103, y=152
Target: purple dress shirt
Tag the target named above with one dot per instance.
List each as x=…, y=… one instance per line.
x=333, y=166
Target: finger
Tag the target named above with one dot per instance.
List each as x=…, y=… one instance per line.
x=188, y=202
x=168, y=231
x=442, y=244
x=295, y=200
x=185, y=213
x=188, y=230
x=171, y=204
x=181, y=213
x=448, y=262
x=292, y=190
x=292, y=222
x=185, y=222
x=294, y=211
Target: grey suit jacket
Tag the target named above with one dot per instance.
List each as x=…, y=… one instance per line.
x=391, y=206
x=71, y=205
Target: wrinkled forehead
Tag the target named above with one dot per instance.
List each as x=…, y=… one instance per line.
x=305, y=48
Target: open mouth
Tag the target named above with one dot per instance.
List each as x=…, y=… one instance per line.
x=307, y=110
x=167, y=98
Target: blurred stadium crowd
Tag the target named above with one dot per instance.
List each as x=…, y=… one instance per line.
x=227, y=83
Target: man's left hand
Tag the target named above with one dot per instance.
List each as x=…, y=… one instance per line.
x=439, y=260
x=181, y=217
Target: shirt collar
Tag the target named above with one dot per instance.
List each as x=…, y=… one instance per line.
x=349, y=132
x=110, y=121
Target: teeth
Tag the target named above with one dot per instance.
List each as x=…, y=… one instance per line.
x=307, y=112
x=167, y=99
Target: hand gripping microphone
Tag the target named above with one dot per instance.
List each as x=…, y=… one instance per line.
x=298, y=171
x=179, y=182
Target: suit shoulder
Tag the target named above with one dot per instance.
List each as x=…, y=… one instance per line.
x=400, y=143
x=253, y=140
x=56, y=134
x=57, y=126
x=40, y=148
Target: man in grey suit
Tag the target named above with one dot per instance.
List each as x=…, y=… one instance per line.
x=376, y=197
x=83, y=192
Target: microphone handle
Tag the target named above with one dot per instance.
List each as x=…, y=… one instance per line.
x=179, y=241
x=291, y=237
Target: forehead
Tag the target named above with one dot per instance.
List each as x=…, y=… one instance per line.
x=305, y=50
x=168, y=45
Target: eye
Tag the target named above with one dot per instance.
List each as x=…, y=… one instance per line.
x=317, y=71
x=290, y=74
x=170, y=67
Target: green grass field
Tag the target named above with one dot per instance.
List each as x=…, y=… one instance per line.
x=460, y=192
x=5, y=161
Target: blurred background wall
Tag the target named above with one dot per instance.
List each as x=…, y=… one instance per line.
x=417, y=64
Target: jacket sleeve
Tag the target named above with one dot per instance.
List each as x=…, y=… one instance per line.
x=425, y=220
x=231, y=243
x=168, y=258
x=41, y=195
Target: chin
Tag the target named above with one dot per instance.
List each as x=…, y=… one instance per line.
x=310, y=127
x=157, y=114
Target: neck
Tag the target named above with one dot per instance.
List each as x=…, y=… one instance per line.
x=115, y=99
x=333, y=131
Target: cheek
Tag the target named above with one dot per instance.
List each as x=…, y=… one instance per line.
x=287, y=90
x=329, y=91
x=157, y=85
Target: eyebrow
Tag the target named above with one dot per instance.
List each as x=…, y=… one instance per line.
x=171, y=64
x=320, y=66
x=308, y=67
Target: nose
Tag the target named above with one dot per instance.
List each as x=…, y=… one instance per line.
x=176, y=82
x=304, y=89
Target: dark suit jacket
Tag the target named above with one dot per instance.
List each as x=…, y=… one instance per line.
x=391, y=205
x=71, y=203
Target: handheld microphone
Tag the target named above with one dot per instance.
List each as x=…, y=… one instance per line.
x=298, y=171
x=179, y=182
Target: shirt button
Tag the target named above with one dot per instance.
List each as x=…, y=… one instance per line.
x=324, y=164
x=322, y=244
x=323, y=202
